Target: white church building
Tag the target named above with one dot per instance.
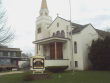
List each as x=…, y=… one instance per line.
x=63, y=43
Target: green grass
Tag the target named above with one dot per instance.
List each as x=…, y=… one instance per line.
x=66, y=77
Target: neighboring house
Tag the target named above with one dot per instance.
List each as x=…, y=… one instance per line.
x=64, y=43
x=9, y=57
x=25, y=61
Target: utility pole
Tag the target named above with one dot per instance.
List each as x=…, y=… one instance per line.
x=72, y=62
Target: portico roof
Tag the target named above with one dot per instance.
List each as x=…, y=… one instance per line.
x=50, y=40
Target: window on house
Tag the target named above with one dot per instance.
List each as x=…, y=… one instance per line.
x=8, y=53
x=14, y=54
x=58, y=33
x=76, y=63
x=75, y=47
x=57, y=24
x=53, y=34
x=62, y=33
x=46, y=14
x=1, y=53
x=39, y=30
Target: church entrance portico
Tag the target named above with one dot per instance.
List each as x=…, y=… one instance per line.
x=53, y=51
x=52, y=48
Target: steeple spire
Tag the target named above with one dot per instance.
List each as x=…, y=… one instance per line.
x=44, y=4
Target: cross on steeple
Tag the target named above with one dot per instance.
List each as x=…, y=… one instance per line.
x=57, y=14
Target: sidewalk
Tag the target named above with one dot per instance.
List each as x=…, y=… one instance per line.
x=13, y=72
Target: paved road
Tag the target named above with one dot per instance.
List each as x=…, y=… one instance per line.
x=13, y=72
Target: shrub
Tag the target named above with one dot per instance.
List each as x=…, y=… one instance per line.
x=99, y=54
x=30, y=77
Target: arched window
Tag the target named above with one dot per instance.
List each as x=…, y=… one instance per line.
x=76, y=63
x=75, y=47
x=46, y=14
x=57, y=24
x=58, y=33
x=53, y=34
x=62, y=33
x=39, y=30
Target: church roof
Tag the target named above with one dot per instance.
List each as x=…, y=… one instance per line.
x=103, y=33
x=50, y=40
x=78, y=27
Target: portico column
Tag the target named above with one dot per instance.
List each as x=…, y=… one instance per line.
x=37, y=48
x=55, y=50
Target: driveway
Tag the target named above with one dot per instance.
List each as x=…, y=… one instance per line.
x=13, y=72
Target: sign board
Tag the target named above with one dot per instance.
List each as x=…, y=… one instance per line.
x=37, y=63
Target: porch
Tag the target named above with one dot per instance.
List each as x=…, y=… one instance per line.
x=53, y=50
x=63, y=62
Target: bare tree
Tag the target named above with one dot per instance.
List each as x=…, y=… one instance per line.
x=6, y=35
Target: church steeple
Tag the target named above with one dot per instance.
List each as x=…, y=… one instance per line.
x=44, y=4
x=42, y=23
x=44, y=10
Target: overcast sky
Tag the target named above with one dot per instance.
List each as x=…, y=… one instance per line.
x=22, y=15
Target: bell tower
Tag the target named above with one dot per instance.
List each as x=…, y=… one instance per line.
x=42, y=22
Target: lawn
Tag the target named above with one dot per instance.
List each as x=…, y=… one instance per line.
x=66, y=77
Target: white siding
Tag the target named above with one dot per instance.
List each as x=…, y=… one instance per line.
x=84, y=40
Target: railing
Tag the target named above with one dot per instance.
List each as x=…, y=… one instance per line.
x=14, y=57
x=9, y=57
x=64, y=62
x=7, y=66
x=48, y=58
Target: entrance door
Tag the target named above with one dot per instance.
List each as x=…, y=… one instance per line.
x=59, y=50
x=52, y=51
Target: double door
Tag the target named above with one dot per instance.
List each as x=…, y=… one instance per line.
x=56, y=50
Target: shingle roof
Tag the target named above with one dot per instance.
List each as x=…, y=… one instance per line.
x=103, y=33
x=78, y=27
